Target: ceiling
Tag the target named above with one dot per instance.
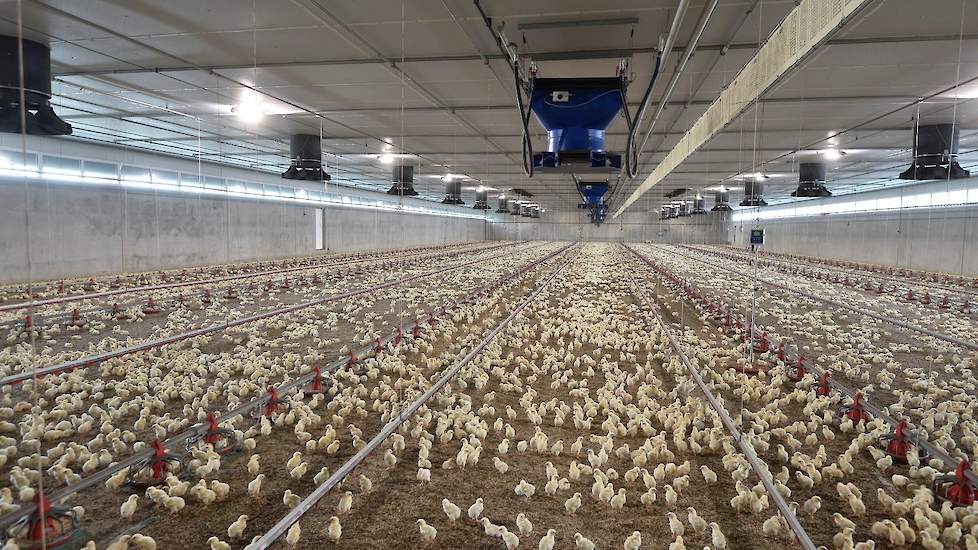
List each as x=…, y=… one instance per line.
x=424, y=82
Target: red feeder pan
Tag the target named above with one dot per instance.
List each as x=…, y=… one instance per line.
x=799, y=371
x=274, y=402
x=957, y=488
x=154, y=469
x=76, y=318
x=150, y=306
x=855, y=411
x=822, y=387
x=221, y=439
x=898, y=444
x=47, y=527
x=317, y=386
x=762, y=345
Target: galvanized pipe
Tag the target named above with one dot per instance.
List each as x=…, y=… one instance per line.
x=917, y=439
x=760, y=468
x=904, y=325
x=678, y=73
x=310, y=501
x=93, y=360
x=180, y=439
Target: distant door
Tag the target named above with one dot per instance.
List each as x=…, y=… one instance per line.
x=319, y=229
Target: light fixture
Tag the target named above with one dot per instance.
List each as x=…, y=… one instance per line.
x=832, y=154
x=250, y=109
x=249, y=113
x=386, y=158
x=448, y=178
x=760, y=176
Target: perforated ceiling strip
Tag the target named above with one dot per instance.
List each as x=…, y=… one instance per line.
x=800, y=33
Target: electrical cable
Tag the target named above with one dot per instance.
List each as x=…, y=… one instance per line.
x=631, y=153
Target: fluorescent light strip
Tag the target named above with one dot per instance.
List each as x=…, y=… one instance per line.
x=10, y=170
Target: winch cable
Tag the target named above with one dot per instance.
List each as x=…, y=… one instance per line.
x=525, y=119
x=631, y=153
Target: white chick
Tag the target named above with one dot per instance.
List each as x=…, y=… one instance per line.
x=451, y=510
x=428, y=532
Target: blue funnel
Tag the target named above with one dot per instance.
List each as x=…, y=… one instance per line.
x=576, y=112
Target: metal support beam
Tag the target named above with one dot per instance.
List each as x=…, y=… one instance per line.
x=803, y=30
x=326, y=17
x=538, y=56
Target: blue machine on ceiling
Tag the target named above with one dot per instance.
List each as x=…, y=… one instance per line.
x=576, y=112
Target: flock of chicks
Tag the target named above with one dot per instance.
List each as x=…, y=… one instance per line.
x=937, y=394
x=78, y=423
x=577, y=426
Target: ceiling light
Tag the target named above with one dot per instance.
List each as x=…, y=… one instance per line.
x=386, y=158
x=249, y=112
x=760, y=176
x=250, y=109
x=832, y=154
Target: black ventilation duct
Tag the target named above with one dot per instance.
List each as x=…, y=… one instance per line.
x=403, y=178
x=753, y=194
x=935, y=151
x=453, y=192
x=481, y=199
x=502, y=205
x=721, y=201
x=811, y=181
x=699, y=206
x=40, y=117
x=307, y=159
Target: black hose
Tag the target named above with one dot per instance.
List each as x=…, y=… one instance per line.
x=525, y=119
x=631, y=154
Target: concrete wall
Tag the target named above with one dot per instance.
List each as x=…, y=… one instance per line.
x=936, y=239
x=79, y=230
x=713, y=228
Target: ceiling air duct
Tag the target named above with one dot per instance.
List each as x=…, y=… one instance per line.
x=699, y=206
x=453, y=192
x=502, y=205
x=721, y=201
x=307, y=159
x=38, y=114
x=811, y=181
x=935, y=151
x=753, y=193
x=481, y=199
x=403, y=179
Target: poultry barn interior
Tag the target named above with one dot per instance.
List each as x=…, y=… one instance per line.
x=488, y=274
